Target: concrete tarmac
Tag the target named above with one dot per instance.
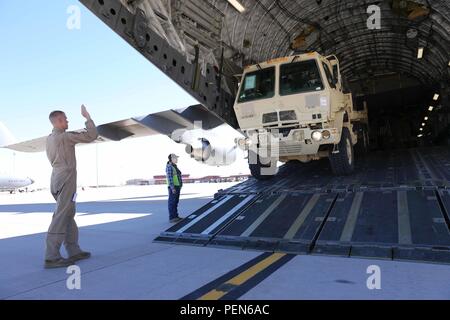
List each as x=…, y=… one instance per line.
x=118, y=226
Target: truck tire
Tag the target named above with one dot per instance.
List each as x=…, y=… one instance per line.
x=256, y=168
x=362, y=146
x=342, y=162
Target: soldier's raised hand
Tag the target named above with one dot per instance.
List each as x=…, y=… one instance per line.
x=85, y=113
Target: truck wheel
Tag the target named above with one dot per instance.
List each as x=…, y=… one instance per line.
x=262, y=172
x=362, y=146
x=342, y=162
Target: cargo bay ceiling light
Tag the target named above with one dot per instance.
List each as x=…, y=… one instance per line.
x=423, y=124
x=420, y=136
x=436, y=97
x=430, y=108
x=420, y=53
x=237, y=5
x=426, y=118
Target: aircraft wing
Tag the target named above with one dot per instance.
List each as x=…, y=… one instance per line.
x=113, y=131
x=172, y=123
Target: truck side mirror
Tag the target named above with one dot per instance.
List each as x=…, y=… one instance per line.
x=336, y=73
x=337, y=82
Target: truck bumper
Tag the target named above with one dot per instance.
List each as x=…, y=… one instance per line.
x=299, y=141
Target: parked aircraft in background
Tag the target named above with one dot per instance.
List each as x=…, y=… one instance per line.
x=12, y=183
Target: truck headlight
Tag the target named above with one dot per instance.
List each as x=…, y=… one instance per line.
x=316, y=136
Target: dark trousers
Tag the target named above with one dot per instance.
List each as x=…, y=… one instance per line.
x=174, y=198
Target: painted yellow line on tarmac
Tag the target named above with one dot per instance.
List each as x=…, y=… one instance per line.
x=243, y=277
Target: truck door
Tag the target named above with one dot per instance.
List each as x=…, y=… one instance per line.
x=335, y=97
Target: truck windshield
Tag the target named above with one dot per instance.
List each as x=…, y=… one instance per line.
x=300, y=77
x=258, y=85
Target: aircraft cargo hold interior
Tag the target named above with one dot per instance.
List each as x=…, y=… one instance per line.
x=398, y=68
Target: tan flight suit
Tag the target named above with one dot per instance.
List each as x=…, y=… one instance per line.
x=63, y=186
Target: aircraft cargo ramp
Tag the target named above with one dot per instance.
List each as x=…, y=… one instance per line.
x=396, y=206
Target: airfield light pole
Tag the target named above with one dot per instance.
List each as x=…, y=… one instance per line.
x=96, y=162
x=14, y=164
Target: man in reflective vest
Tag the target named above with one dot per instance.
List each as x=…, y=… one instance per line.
x=174, y=184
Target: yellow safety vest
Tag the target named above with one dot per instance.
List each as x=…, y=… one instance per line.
x=176, y=181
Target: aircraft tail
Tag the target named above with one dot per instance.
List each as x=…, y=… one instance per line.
x=6, y=137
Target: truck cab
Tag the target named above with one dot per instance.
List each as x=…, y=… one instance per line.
x=294, y=108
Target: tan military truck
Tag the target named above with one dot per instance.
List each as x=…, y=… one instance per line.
x=294, y=108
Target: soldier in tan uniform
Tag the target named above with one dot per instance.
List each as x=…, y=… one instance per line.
x=63, y=186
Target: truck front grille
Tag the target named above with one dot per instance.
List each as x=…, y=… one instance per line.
x=284, y=131
x=270, y=117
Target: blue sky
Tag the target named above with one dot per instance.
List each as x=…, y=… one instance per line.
x=45, y=66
